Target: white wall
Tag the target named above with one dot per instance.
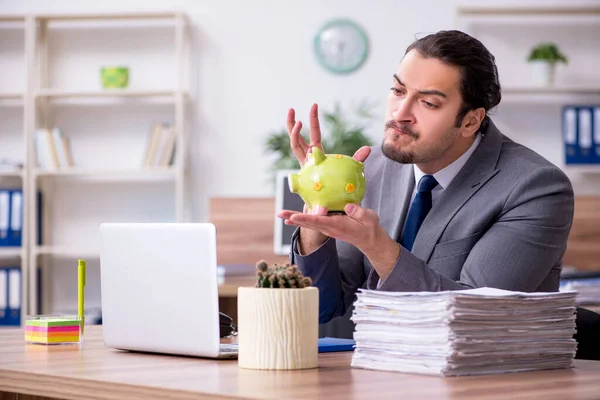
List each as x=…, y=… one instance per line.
x=252, y=60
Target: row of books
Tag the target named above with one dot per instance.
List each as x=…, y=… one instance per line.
x=10, y=296
x=160, y=148
x=11, y=217
x=52, y=149
x=581, y=134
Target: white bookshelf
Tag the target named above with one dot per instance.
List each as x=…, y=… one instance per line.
x=64, y=251
x=11, y=252
x=141, y=174
x=13, y=98
x=510, y=32
x=39, y=101
x=550, y=95
x=582, y=169
x=12, y=174
x=558, y=15
x=54, y=93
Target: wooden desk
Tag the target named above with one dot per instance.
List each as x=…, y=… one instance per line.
x=93, y=371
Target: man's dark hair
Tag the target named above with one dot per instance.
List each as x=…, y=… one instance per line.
x=479, y=86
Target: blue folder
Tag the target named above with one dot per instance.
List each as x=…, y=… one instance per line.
x=329, y=344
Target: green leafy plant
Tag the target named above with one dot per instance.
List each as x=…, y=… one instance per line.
x=341, y=135
x=280, y=276
x=547, y=52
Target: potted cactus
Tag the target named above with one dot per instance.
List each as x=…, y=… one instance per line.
x=278, y=320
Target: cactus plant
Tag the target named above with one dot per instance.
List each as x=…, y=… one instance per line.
x=280, y=276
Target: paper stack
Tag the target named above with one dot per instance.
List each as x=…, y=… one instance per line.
x=466, y=332
x=588, y=290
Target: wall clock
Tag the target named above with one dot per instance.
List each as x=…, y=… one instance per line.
x=341, y=46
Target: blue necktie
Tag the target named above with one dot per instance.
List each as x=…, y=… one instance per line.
x=418, y=211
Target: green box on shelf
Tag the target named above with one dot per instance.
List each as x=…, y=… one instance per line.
x=114, y=77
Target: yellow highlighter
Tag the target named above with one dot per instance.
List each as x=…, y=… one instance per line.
x=80, y=285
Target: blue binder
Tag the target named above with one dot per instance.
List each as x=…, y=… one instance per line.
x=585, y=118
x=14, y=297
x=3, y=296
x=4, y=216
x=329, y=344
x=577, y=134
x=16, y=218
x=596, y=134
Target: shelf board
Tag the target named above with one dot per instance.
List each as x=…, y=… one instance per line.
x=582, y=168
x=58, y=93
x=551, y=89
x=11, y=174
x=141, y=174
x=528, y=16
x=11, y=99
x=109, y=16
x=11, y=252
x=559, y=10
x=557, y=94
x=65, y=251
x=12, y=18
x=11, y=96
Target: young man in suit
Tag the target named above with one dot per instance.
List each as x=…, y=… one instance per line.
x=451, y=203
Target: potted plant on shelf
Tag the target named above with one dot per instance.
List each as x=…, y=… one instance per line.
x=341, y=135
x=543, y=59
x=278, y=320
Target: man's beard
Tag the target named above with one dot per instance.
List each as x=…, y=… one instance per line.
x=414, y=156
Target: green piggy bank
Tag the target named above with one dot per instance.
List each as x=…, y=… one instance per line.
x=329, y=180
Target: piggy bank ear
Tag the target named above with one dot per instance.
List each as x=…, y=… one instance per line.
x=318, y=155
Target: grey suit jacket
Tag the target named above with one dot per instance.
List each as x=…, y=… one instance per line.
x=503, y=222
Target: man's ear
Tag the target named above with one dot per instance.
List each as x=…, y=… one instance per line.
x=472, y=121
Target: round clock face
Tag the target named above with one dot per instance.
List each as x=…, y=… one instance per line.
x=341, y=46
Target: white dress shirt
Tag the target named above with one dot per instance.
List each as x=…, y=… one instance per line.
x=443, y=177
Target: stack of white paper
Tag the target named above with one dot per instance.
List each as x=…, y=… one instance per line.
x=588, y=291
x=466, y=332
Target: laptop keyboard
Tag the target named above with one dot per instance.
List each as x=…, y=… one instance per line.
x=229, y=348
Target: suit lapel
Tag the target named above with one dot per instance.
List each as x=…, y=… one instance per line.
x=478, y=170
x=397, y=182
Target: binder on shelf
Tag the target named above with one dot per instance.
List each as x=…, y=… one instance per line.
x=14, y=297
x=4, y=217
x=3, y=296
x=596, y=135
x=569, y=128
x=584, y=134
x=16, y=218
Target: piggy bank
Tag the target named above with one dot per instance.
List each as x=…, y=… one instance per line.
x=329, y=180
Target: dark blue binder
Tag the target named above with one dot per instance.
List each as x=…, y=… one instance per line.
x=585, y=129
x=4, y=216
x=3, y=296
x=596, y=134
x=329, y=344
x=13, y=314
x=15, y=229
x=577, y=134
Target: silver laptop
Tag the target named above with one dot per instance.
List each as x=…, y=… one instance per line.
x=159, y=289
